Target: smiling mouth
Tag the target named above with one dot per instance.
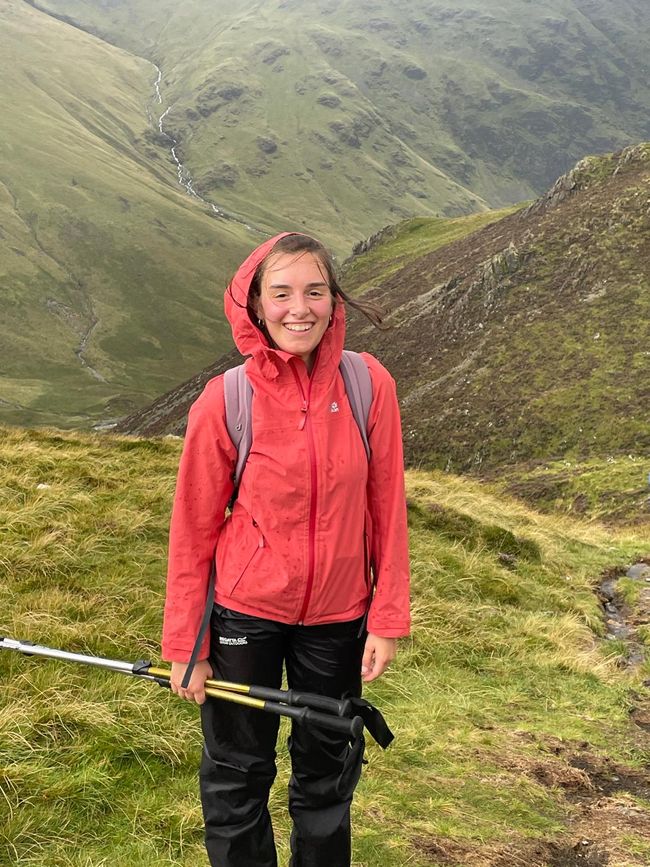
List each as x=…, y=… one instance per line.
x=299, y=328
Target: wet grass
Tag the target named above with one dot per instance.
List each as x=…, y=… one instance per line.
x=97, y=769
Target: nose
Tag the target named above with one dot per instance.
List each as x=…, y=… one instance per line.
x=299, y=305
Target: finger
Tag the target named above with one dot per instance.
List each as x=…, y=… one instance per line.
x=378, y=669
x=366, y=662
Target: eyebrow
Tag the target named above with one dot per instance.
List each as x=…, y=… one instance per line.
x=288, y=285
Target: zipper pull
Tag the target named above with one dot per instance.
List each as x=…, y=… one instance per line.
x=260, y=541
x=303, y=410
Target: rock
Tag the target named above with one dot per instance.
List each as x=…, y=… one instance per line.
x=633, y=153
x=367, y=244
x=272, y=54
x=43, y=487
x=565, y=186
x=415, y=73
x=497, y=269
x=329, y=100
x=222, y=175
x=640, y=571
x=266, y=145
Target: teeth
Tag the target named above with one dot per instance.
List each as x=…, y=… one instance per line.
x=298, y=327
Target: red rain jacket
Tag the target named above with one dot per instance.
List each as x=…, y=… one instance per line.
x=311, y=512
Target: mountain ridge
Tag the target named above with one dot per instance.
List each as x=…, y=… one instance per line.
x=513, y=342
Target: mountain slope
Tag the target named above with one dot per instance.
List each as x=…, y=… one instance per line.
x=526, y=339
x=344, y=116
x=336, y=118
x=520, y=738
x=106, y=264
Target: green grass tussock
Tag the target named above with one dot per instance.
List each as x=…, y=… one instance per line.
x=505, y=661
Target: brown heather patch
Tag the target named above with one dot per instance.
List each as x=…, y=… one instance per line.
x=607, y=806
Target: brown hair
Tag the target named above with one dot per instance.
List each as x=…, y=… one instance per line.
x=297, y=243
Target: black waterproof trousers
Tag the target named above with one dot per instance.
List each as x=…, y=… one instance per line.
x=238, y=764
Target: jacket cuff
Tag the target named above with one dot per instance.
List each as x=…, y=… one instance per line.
x=400, y=630
x=177, y=654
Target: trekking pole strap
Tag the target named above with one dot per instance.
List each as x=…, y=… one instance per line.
x=205, y=623
x=373, y=721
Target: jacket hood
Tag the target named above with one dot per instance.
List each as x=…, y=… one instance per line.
x=249, y=339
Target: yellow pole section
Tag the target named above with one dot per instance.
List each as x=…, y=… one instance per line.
x=214, y=684
x=219, y=689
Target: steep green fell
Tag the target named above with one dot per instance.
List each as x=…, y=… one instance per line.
x=107, y=267
x=528, y=339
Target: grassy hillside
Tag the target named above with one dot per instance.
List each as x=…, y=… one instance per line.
x=514, y=738
x=614, y=489
x=108, y=269
x=347, y=116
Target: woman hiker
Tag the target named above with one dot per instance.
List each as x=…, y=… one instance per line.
x=294, y=584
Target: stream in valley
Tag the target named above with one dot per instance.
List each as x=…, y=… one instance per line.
x=184, y=176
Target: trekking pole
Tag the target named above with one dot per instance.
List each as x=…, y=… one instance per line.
x=257, y=697
x=337, y=706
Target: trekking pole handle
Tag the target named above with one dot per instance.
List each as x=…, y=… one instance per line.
x=344, y=725
x=340, y=707
x=305, y=715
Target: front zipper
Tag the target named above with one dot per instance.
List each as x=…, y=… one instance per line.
x=305, y=425
x=260, y=544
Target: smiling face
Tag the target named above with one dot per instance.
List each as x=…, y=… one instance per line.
x=295, y=303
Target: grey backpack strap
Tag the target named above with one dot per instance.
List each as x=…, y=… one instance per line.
x=238, y=399
x=358, y=387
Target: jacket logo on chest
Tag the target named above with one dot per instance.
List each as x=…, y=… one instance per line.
x=334, y=407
